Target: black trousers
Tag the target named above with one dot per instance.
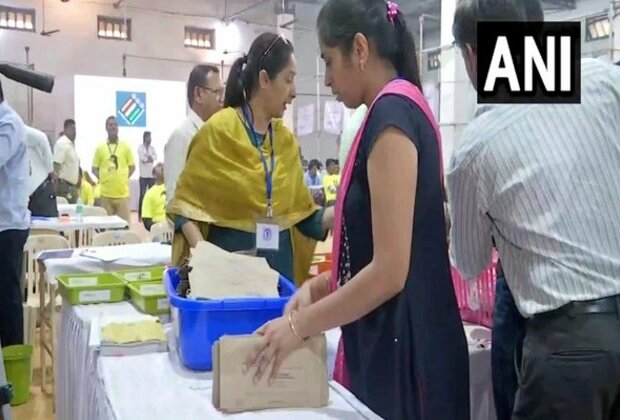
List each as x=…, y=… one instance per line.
x=145, y=184
x=570, y=368
x=11, y=298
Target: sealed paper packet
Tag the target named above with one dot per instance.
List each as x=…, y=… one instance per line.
x=301, y=383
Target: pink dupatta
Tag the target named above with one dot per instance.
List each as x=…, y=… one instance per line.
x=398, y=87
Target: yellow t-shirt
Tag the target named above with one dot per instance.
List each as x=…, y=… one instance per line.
x=87, y=194
x=330, y=186
x=114, y=172
x=154, y=204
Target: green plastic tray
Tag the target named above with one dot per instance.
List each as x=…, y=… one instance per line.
x=149, y=297
x=141, y=274
x=81, y=289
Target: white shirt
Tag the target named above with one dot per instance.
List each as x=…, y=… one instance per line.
x=175, y=151
x=67, y=158
x=349, y=133
x=544, y=182
x=14, y=213
x=41, y=159
x=146, y=167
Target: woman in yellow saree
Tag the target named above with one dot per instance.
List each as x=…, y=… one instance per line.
x=243, y=177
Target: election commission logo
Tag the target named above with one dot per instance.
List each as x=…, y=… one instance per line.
x=267, y=234
x=529, y=62
x=131, y=109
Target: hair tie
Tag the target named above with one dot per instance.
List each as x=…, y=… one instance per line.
x=245, y=59
x=392, y=11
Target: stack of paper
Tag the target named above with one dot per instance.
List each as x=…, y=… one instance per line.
x=131, y=338
x=301, y=382
x=218, y=274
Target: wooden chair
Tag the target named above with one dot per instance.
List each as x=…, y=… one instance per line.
x=117, y=237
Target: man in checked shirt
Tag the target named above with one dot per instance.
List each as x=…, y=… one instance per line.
x=544, y=182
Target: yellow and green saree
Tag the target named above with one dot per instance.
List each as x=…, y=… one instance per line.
x=222, y=189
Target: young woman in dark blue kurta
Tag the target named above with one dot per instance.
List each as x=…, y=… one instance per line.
x=391, y=289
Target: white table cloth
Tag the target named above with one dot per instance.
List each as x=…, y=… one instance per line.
x=90, y=389
x=127, y=386
x=74, y=359
x=73, y=224
x=77, y=395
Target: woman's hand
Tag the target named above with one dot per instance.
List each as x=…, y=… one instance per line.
x=192, y=233
x=301, y=299
x=328, y=219
x=279, y=342
x=311, y=291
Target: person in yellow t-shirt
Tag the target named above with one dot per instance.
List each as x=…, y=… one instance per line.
x=154, y=201
x=113, y=164
x=87, y=193
x=331, y=182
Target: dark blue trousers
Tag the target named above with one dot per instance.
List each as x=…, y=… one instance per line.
x=508, y=334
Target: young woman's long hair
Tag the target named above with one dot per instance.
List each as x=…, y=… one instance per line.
x=340, y=20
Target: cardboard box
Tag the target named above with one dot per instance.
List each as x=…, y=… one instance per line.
x=302, y=381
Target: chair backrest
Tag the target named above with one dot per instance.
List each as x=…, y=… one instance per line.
x=95, y=211
x=61, y=200
x=34, y=245
x=161, y=232
x=85, y=236
x=116, y=237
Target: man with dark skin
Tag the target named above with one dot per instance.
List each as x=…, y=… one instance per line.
x=114, y=164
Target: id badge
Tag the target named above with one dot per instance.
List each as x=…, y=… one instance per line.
x=267, y=236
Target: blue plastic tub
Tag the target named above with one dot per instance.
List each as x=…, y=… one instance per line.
x=203, y=322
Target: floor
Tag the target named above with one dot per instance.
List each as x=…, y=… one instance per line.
x=40, y=405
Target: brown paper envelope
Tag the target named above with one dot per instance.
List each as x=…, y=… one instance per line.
x=216, y=374
x=302, y=381
x=218, y=274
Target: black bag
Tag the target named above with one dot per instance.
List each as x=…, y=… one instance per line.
x=43, y=200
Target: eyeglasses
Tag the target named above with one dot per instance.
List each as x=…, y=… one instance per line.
x=218, y=92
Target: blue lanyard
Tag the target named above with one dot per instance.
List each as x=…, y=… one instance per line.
x=268, y=172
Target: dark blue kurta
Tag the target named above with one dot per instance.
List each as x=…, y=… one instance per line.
x=407, y=359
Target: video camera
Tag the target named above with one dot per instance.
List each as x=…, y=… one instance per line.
x=25, y=76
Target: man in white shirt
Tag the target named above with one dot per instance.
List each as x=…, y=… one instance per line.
x=67, y=164
x=542, y=182
x=41, y=187
x=147, y=156
x=349, y=132
x=205, y=95
x=14, y=222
